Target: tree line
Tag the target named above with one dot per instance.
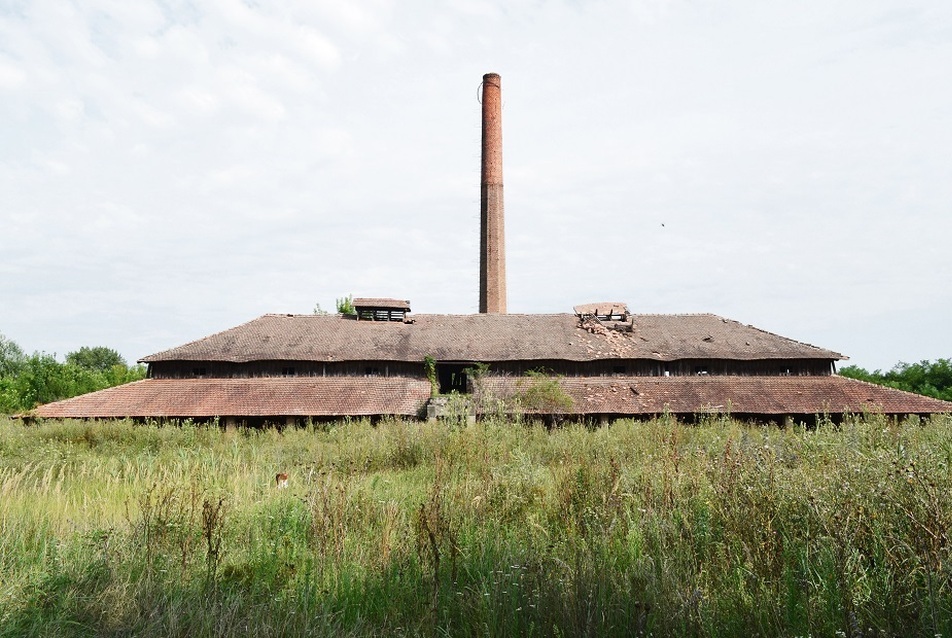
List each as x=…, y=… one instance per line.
x=27, y=381
x=933, y=379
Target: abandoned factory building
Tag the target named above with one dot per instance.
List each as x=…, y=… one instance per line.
x=599, y=361
x=607, y=362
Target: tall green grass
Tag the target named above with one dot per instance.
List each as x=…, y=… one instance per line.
x=500, y=529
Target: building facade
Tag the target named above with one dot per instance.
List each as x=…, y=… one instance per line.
x=604, y=361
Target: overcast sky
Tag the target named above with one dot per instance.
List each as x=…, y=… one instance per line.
x=170, y=169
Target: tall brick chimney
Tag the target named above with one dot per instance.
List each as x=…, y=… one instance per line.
x=492, y=244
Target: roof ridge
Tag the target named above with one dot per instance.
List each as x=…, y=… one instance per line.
x=679, y=314
x=295, y=314
x=507, y=314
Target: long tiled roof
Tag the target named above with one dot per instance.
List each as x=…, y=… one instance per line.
x=491, y=337
x=364, y=396
x=263, y=397
x=758, y=395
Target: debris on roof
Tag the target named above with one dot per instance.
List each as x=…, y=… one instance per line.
x=605, y=310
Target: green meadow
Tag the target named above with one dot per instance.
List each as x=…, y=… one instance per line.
x=490, y=529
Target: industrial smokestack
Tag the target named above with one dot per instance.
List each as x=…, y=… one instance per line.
x=492, y=244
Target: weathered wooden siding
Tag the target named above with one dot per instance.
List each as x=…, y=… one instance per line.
x=225, y=370
x=686, y=367
x=627, y=367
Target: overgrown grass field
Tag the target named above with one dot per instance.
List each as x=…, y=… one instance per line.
x=491, y=529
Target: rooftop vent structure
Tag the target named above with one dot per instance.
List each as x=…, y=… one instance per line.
x=381, y=309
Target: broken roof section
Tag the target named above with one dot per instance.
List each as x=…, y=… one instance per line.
x=490, y=337
x=605, y=310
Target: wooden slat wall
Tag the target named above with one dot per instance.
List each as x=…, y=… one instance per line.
x=621, y=367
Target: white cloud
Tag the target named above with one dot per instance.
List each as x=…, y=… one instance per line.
x=11, y=76
x=198, y=99
x=69, y=109
x=268, y=153
x=316, y=47
x=146, y=47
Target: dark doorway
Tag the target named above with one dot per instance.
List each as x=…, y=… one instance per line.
x=452, y=377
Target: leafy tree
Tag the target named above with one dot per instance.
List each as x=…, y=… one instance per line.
x=9, y=400
x=345, y=305
x=856, y=372
x=28, y=381
x=99, y=359
x=44, y=379
x=11, y=356
x=120, y=374
x=925, y=377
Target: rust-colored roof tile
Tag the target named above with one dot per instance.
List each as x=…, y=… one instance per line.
x=274, y=396
x=366, y=396
x=727, y=394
